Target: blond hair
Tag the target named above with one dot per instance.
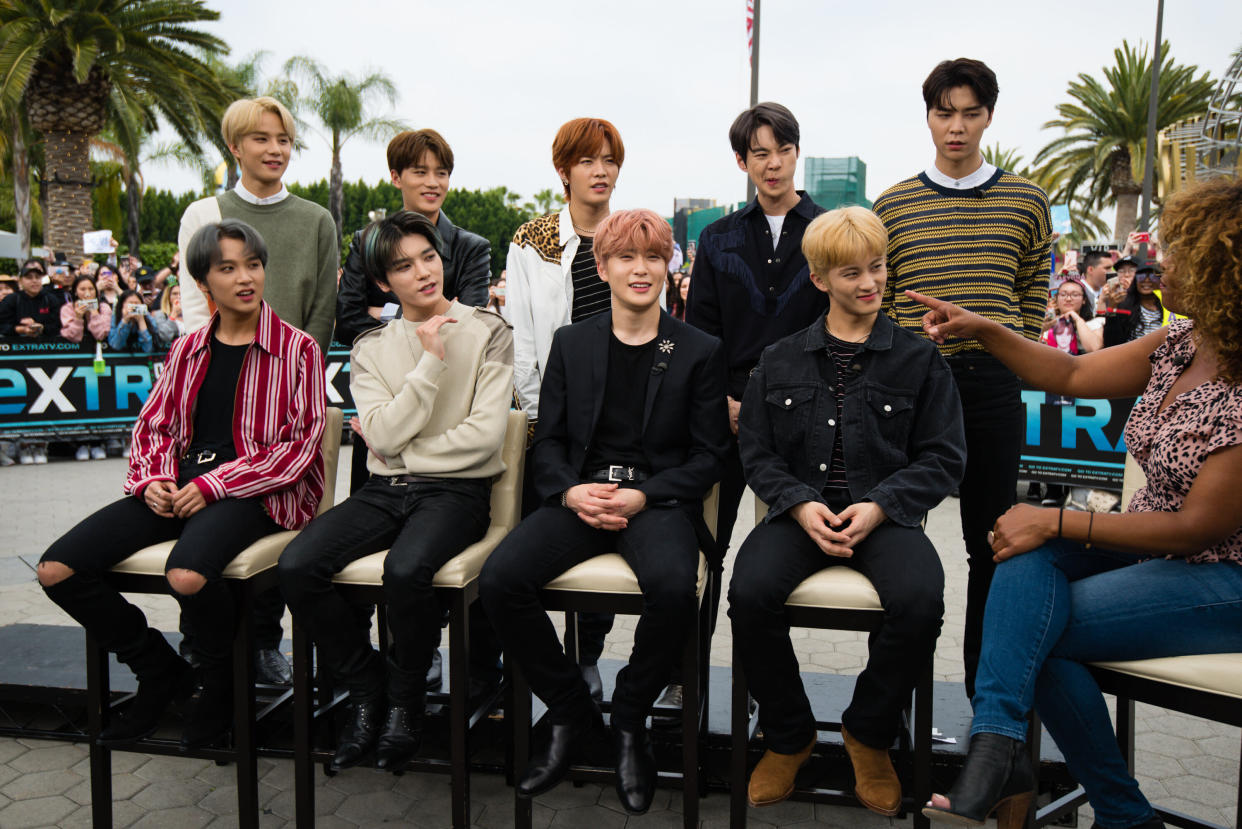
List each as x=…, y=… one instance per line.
x=243, y=115
x=843, y=236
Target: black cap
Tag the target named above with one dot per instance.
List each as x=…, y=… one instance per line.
x=144, y=274
x=1151, y=267
x=1126, y=260
x=34, y=265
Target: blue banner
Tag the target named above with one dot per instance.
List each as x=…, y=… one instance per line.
x=1073, y=441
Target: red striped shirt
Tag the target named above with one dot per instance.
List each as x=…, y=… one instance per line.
x=278, y=422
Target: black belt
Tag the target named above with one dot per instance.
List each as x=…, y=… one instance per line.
x=404, y=480
x=617, y=473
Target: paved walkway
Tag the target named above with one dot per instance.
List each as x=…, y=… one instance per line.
x=1184, y=763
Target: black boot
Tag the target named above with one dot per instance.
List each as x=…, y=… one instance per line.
x=163, y=678
x=401, y=737
x=636, y=769
x=212, y=714
x=1153, y=822
x=357, y=737
x=548, y=768
x=996, y=778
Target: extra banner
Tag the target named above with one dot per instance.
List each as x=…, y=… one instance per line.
x=1074, y=441
x=58, y=390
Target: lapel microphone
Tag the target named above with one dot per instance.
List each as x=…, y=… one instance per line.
x=659, y=368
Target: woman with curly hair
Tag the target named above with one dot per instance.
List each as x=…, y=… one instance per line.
x=1162, y=579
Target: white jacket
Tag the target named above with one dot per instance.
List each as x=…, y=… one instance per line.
x=539, y=291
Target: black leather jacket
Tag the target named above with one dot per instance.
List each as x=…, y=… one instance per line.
x=904, y=444
x=467, y=273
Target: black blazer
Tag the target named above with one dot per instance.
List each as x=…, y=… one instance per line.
x=685, y=421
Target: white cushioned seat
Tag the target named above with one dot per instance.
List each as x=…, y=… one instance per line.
x=263, y=554
x=836, y=586
x=610, y=574
x=464, y=568
x=1216, y=673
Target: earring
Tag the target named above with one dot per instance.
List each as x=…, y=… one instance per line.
x=564, y=182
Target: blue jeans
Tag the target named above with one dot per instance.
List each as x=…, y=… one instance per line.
x=1062, y=605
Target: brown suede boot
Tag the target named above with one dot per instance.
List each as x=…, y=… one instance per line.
x=773, y=779
x=875, y=782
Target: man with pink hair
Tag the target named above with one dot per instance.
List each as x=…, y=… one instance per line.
x=631, y=435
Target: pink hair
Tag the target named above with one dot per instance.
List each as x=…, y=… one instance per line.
x=639, y=230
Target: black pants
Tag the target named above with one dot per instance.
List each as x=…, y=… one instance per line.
x=206, y=542
x=661, y=547
x=905, y=570
x=422, y=525
x=992, y=411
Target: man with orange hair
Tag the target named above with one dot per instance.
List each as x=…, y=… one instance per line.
x=630, y=437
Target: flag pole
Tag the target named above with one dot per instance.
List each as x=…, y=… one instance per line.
x=754, y=78
x=1149, y=163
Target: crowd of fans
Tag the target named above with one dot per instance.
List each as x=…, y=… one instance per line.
x=115, y=306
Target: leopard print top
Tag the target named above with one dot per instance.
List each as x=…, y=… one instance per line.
x=1171, y=445
x=543, y=235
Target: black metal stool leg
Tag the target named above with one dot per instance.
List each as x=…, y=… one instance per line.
x=98, y=693
x=690, y=725
x=922, y=745
x=459, y=705
x=244, y=726
x=303, y=725
x=740, y=728
x=522, y=807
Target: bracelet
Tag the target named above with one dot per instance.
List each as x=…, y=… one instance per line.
x=565, y=499
x=1090, y=524
x=1060, y=521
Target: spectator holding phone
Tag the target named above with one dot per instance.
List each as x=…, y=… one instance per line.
x=131, y=328
x=85, y=314
x=33, y=311
x=107, y=284
x=1141, y=311
x=167, y=320
x=1075, y=329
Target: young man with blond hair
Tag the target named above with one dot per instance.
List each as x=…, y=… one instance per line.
x=301, y=273
x=850, y=431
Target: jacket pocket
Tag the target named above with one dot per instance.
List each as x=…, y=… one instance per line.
x=891, y=413
x=790, y=409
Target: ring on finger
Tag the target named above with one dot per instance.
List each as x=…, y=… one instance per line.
x=991, y=537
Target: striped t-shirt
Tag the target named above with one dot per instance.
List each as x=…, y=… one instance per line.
x=842, y=354
x=983, y=248
x=591, y=294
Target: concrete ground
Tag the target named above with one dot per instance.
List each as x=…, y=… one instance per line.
x=1187, y=764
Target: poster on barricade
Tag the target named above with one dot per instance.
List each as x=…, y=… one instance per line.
x=1073, y=440
x=51, y=390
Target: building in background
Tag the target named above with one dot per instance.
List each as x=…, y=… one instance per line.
x=836, y=182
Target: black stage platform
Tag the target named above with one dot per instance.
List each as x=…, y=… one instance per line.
x=43, y=681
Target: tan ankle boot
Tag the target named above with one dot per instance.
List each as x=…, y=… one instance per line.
x=773, y=779
x=875, y=782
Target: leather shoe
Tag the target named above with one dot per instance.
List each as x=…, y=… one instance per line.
x=212, y=714
x=271, y=667
x=636, y=770
x=875, y=782
x=773, y=779
x=358, y=735
x=401, y=737
x=435, y=673
x=670, y=701
x=590, y=674
x=548, y=768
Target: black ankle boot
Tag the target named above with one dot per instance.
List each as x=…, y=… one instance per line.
x=163, y=678
x=636, y=770
x=548, y=767
x=996, y=778
x=1153, y=822
x=400, y=738
x=212, y=714
x=358, y=736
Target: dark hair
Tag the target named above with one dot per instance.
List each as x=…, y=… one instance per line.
x=767, y=114
x=31, y=264
x=1092, y=258
x=1084, y=308
x=118, y=313
x=203, y=251
x=382, y=237
x=951, y=74
x=408, y=148
x=73, y=289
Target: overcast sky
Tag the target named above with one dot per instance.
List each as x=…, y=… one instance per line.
x=497, y=78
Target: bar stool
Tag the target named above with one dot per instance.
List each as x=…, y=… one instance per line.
x=835, y=598
x=457, y=583
x=251, y=573
x=606, y=584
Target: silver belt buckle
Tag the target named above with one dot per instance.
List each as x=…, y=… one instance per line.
x=205, y=456
x=615, y=473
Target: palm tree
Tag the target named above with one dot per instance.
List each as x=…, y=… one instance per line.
x=1106, y=129
x=341, y=102
x=1083, y=220
x=78, y=65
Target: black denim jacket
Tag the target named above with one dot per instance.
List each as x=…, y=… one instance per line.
x=903, y=439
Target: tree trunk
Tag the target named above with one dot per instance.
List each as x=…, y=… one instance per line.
x=21, y=188
x=68, y=175
x=133, y=198
x=1126, y=192
x=336, y=190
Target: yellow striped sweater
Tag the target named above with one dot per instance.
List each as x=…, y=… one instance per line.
x=985, y=249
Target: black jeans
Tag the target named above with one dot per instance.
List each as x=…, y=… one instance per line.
x=422, y=525
x=661, y=547
x=905, y=570
x=206, y=542
x=992, y=411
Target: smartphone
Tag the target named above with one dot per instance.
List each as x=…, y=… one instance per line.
x=89, y=304
x=1142, y=237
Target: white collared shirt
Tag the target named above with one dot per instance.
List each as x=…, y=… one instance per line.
x=976, y=179
x=247, y=196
